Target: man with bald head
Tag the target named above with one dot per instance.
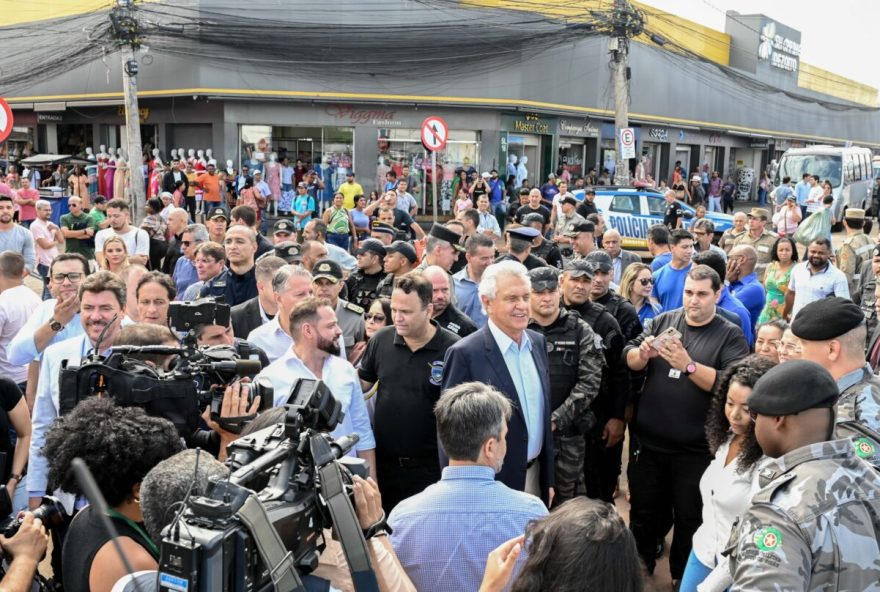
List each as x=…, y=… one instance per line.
x=446, y=313
x=79, y=230
x=743, y=279
x=620, y=259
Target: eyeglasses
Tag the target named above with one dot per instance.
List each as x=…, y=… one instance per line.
x=792, y=348
x=646, y=281
x=186, y=243
x=73, y=277
x=379, y=318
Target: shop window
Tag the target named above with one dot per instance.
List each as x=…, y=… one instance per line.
x=403, y=147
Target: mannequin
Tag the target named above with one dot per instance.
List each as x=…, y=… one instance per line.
x=121, y=179
x=110, y=174
x=327, y=174
x=191, y=157
x=173, y=154
x=209, y=155
x=381, y=170
x=272, y=176
x=522, y=173
x=229, y=169
x=90, y=154
x=200, y=158
x=641, y=170
x=511, y=166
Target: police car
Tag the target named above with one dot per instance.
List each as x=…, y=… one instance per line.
x=631, y=211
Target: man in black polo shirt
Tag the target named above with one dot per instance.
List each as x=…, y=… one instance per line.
x=407, y=362
x=241, y=282
x=673, y=213
x=446, y=313
x=588, y=206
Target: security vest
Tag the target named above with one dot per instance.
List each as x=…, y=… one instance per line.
x=563, y=350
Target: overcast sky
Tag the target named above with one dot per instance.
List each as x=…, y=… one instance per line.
x=839, y=36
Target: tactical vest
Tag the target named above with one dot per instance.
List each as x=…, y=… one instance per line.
x=563, y=351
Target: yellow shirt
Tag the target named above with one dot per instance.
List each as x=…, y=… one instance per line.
x=349, y=191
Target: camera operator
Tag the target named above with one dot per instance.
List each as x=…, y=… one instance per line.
x=25, y=549
x=102, y=302
x=315, y=355
x=119, y=445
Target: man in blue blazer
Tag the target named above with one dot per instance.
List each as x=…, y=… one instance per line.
x=512, y=359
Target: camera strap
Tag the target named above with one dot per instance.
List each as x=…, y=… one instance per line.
x=279, y=560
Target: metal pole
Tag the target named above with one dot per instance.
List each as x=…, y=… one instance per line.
x=621, y=99
x=434, y=181
x=132, y=118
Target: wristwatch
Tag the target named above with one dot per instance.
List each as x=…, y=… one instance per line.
x=690, y=368
x=380, y=528
x=55, y=325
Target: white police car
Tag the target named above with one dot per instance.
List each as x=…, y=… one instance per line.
x=631, y=211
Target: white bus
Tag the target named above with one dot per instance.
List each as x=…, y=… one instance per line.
x=849, y=170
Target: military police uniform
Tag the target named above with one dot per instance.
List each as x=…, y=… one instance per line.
x=728, y=238
x=854, y=251
x=763, y=245
x=351, y=321
x=864, y=294
x=814, y=524
x=455, y=321
x=576, y=363
x=363, y=287
x=549, y=251
x=531, y=262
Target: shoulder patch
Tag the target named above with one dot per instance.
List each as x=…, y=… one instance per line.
x=768, y=539
x=353, y=308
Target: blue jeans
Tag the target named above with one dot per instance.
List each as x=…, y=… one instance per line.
x=694, y=574
x=762, y=197
x=43, y=270
x=339, y=239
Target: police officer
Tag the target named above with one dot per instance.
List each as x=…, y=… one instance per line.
x=602, y=462
x=543, y=248
x=400, y=259
x=576, y=363
x=856, y=248
x=839, y=347
x=327, y=283
x=384, y=233
x=583, y=239
x=363, y=283
x=290, y=251
x=864, y=295
x=600, y=292
x=283, y=231
x=815, y=522
x=760, y=238
x=519, y=247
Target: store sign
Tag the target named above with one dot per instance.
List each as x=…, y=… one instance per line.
x=356, y=116
x=714, y=138
x=659, y=133
x=50, y=117
x=143, y=113
x=780, y=51
x=762, y=145
x=576, y=128
x=531, y=124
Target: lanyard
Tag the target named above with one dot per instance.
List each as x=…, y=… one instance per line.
x=151, y=546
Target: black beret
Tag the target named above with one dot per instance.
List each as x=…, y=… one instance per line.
x=827, y=318
x=383, y=228
x=601, y=260
x=792, y=387
x=544, y=278
x=450, y=236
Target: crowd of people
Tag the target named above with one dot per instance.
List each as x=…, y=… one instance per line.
x=496, y=369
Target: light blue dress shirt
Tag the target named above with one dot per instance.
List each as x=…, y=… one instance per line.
x=184, y=274
x=521, y=366
x=22, y=349
x=488, y=221
x=342, y=380
x=467, y=297
x=444, y=534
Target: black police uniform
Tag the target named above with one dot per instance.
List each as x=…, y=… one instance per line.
x=263, y=246
x=531, y=261
x=585, y=208
x=671, y=215
x=363, y=287
x=601, y=464
x=232, y=287
x=549, y=251
x=623, y=312
x=386, y=286
x=455, y=321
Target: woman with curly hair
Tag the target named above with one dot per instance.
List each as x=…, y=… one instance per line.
x=727, y=485
x=119, y=445
x=582, y=545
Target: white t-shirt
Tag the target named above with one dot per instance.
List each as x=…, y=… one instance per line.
x=136, y=240
x=16, y=305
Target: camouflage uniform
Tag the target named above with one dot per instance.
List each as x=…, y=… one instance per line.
x=813, y=525
x=864, y=295
x=851, y=255
x=576, y=361
x=859, y=398
x=763, y=245
x=728, y=238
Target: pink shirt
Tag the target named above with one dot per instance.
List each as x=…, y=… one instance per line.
x=41, y=229
x=26, y=213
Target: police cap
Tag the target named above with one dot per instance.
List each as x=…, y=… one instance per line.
x=371, y=245
x=327, y=269
x=526, y=233
x=579, y=267
x=444, y=233
x=792, y=387
x=383, y=228
x=533, y=219
x=405, y=249
x=289, y=251
x=283, y=226
x=218, y=212
x=601, y=261
x=575, y=228
x=569, y=199
x=812, y=321
x=544, y=278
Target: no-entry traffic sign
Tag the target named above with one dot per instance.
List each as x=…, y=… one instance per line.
x=5, y=120
x=435, y=132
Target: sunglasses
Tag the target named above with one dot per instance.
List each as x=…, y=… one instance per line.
x=73, y=277
x=646, y=281
x=379, y=318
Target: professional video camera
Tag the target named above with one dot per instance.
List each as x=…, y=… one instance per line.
x=197, y=378
x=236, y=539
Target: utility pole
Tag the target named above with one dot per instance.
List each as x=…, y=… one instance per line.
x=628, y=23
x=125, y=30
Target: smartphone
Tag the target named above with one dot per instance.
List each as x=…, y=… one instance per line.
x=665, y=337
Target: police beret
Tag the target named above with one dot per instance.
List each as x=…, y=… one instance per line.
x=371, y=245
x=383, y=228
x=544, y=278
x=289, y=251
x=405, y=249
x=579, y=267
x=792, y=387
x=218, y=212
x=575, y=228
x=327, y=269
x=526, y=233
x=827, y=318
x=600, y=260
x=444, y=233
x=533, y=219
x=283, y=226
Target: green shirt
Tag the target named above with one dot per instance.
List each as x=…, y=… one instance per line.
x=83, y=246
x=98, y=215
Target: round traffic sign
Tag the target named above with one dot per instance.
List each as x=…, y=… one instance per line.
x=5, y=120
x=627, y=137
x=435, y=132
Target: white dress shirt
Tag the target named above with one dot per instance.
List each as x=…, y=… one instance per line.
x=273, y=340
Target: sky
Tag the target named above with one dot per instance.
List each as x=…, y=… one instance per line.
x=839, y=36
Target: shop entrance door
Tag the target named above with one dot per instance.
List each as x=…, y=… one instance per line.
x=530, y=147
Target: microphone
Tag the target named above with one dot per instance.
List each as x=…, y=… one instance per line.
x=240, y=367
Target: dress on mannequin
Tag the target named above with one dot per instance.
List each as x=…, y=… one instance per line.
x=92, y=172
x=272, y=174
x=109, y=179
x=327, y=173
x=120, y=179
x=381, y=170
x=103, y=161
